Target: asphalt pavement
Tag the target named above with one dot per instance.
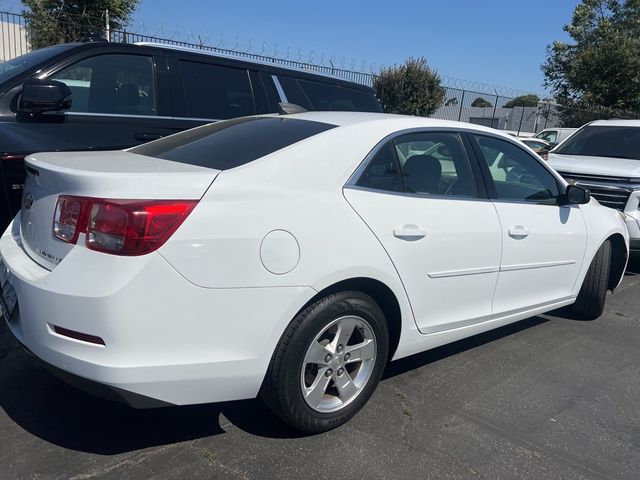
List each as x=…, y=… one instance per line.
x=549, y=397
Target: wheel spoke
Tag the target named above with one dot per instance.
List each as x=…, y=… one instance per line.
x=346, y=387
x=344, y=332
x=316, y=391
x=317, y=354
x=362, y=351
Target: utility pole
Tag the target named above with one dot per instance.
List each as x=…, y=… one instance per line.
x=107, y=28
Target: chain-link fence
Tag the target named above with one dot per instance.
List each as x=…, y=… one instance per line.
x=464, y=101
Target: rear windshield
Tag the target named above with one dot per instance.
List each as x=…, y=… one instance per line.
x=231, y=143
x=601, y=141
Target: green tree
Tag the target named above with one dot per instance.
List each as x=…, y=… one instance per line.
x=597, y=73
x=481, y=102
x=530, y=100
x=410, y=89
x=57, y=21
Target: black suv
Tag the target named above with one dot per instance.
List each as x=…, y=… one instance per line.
x=108, y=96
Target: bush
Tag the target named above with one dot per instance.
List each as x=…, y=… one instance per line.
x=410, y=89
x=481, y=102
x=523, y=101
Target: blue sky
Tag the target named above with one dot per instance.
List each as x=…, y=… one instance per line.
x=493, y=41
x=497, y=42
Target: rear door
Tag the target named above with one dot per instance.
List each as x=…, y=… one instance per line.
x=543, y=243
x=421, y=197
x=206, y=91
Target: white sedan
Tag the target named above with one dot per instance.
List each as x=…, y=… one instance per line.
x=292, y=256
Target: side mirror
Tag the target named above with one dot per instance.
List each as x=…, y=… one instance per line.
x=575, y=195
x=43, y=95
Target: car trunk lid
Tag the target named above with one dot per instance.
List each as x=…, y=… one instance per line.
x=109, y=175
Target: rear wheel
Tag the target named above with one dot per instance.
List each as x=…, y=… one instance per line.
x=328, y=362
x=591, y=299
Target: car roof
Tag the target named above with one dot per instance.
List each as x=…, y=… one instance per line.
x=616, y=123
x=395, y=122
x=293, y=68
x=554, y=129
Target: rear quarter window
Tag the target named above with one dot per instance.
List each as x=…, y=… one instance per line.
x=329, y=97
x=232, y=143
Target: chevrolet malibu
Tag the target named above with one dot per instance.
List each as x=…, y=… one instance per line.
x=290, y=257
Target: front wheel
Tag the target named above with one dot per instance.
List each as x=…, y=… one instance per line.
x=328, y=362
x=591, y=299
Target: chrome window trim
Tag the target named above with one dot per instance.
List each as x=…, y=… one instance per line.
x=127, y=115
x=424, y=196
x=279, y=89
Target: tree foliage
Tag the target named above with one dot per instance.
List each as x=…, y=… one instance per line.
x=50, y=22
x=599, y=69
x=481, y=102
x=530, y=100
x=411, y=89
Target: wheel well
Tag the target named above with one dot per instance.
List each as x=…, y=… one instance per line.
x=383, y=296
x=618, y=259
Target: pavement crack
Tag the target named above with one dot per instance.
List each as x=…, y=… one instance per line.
x=136, y=460
x=407, y=414
x=211, y=458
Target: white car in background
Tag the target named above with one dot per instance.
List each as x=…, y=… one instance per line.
x=604, y=156
x=555, y=136
x=293, y=256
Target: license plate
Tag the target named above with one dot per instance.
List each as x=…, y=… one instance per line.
x=8, y=297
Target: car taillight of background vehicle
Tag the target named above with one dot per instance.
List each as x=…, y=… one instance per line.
x=119, y=227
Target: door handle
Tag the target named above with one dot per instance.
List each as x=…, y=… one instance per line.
x=147, y=137
x=518, y=232
x=409, y=232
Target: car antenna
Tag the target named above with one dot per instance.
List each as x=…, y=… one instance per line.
x=289, y=108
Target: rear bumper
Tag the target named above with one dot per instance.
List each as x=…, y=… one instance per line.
x=98, y=389
x=164, y=338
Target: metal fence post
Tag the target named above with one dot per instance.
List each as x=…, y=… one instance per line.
x=521, y=117
x=546, y=118
x=461, y=105
x=495, y=106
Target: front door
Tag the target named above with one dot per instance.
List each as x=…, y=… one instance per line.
x=543, y=242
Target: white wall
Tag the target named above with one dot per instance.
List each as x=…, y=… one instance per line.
x=13, y=41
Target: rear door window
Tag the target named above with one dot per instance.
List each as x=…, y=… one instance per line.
x=224, y=145
x=216, y=91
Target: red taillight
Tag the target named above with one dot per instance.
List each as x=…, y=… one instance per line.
x=121, y=227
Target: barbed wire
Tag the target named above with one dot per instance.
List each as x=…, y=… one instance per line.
x=360, y=70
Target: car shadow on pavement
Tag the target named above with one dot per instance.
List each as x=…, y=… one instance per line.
x=46, y=407
x=424, y=358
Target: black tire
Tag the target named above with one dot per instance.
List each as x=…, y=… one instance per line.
x=591, y=299
x=282, y=389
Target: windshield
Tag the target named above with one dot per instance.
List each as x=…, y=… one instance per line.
x=21, y=64
x=603, y=141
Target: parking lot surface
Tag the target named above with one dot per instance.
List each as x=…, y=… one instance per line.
x=549, y=397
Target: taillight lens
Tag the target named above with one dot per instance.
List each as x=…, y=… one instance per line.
x=124, y=227
x=68, y=218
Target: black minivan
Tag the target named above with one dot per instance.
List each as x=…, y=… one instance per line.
x=108, y=96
